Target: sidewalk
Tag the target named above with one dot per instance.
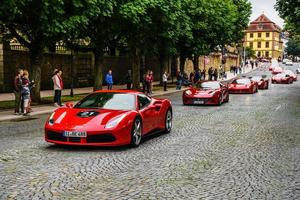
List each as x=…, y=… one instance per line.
x=46, y=109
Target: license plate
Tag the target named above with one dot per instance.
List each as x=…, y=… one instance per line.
x=74, y=134
x=198, y=102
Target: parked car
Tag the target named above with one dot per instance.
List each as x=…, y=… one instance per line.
x=243, y=86
x=289, y=62
x=298, y=71
x=284, y=61
x=282, y=79
x=206, y=93
x=109, y=118
x=292, y=74
x=262, y=81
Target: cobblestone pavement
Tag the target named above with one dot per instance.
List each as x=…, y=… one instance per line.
x=246, y=149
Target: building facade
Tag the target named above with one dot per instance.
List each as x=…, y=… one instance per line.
x=264, y=37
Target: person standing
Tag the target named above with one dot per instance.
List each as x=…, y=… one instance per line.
x=165, y=80
x=57, y=86
x=17, y=86
x=179, y=81
x=25, y=92
x=210, y=73
x=128, y=80
x=148, y=83
x=215, y=74
x=203, y=74
x=151, y=82
x=109, y=79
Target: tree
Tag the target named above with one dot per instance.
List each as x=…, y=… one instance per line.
x=289, y=10
x=293, y=47
x=38, y=25
x=250, y=53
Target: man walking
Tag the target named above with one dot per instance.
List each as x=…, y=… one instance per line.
x=165, y=80
x=58, y=86
x=17, y=90
x=210, y=73
x=109, y=79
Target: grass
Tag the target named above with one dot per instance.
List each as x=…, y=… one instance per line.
x=4, y=105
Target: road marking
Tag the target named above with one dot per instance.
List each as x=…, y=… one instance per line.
x=278, y=107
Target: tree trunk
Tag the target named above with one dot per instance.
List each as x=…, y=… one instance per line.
x=182, y=62
x=164, y=64
x=135, y=60
x=196, y=63
x=98, y=67
x=36, y=60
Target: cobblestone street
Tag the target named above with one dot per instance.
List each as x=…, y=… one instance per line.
x=246, y=149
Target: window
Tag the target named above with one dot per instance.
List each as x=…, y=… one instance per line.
x=251, y=45
x=267, y=44
x=259, y=54
x=259, y=35
x=267, y=54
x=251, y=35
x=267, y=35
x=259, y=45
x=143, y=101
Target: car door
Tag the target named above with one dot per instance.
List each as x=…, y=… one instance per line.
x=148, y=113
x=224, y=91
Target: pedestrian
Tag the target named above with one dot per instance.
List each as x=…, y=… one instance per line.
x=57, y=86
x=203, y=74
x=148, y=83
x=25, y=92
x=215, y=74
x=128, y=80
x=151, y=82
x=197, y=76
x=210, y=73
x=179, y=81
x=165, y=80
x=192, y=78
x=252, y=64
x=17, y=86
x=109, y=79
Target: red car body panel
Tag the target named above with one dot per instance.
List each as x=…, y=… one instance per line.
x=205, y=97
x=271, y=68
x=152, y=117
x=263, y=83
x=292, y=74
x=282, y=80
x=243, y=88
x=277, y=70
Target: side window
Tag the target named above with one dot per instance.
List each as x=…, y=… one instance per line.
x=143, y=101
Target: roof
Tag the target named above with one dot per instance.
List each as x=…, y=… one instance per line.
x=262, y=24
x=118, y=91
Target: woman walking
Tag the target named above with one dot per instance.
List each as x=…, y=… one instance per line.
x=58, y=86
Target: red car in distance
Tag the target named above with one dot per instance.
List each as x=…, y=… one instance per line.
x=271, y=68
x=109, y=118
x=282, y=79
x=206, y=93
x=292, y=74
x=277, y=70
x=262, y=81
x=243, y=86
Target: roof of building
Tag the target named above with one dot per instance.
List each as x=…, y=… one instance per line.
x=262, y=24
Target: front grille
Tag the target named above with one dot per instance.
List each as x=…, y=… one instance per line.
x=205, y=100
x=51, y=135
x=74, y=139
x=100, y=138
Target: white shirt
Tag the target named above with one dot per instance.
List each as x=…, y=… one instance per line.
x=56, y=82
x=165, y=78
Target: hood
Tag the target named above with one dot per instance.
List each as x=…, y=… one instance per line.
x=239, y=86
x=202, y=93
x=76, y=118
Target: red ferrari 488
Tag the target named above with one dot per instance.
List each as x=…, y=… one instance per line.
x=109, y=118
x=206, y=93
x=282, y=79
x=291, y=74
x=262, y=81
x=277, y=70
x=243, y=86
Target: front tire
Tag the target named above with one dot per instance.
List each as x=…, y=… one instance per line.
x=168, y=121
x=136, y=133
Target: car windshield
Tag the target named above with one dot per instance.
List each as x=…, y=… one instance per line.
x=208, y=85
x=241, y=81
x=288, y=72
x=111, y=101
x=280, y=75
x=256, y=78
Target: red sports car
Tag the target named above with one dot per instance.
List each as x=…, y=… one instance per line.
x=277, y=70
x=109, y=118
x=292, y=74
x=271, y=68
x=243, y=86
x=206, y=93
x=282, y=78
x=262, y=81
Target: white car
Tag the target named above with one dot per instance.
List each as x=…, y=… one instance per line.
x=284, y=61
x=298, y=70
x=289, y=62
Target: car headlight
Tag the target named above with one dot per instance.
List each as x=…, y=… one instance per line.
x=115, y=121
x=51, y=120
x=188, y=92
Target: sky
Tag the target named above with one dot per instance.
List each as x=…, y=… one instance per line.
x=266, y=6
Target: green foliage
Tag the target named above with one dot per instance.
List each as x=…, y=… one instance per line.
x=250, y=53
x=293, y=47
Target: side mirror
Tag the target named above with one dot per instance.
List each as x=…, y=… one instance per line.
x=69, y=105
x=287, y=75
